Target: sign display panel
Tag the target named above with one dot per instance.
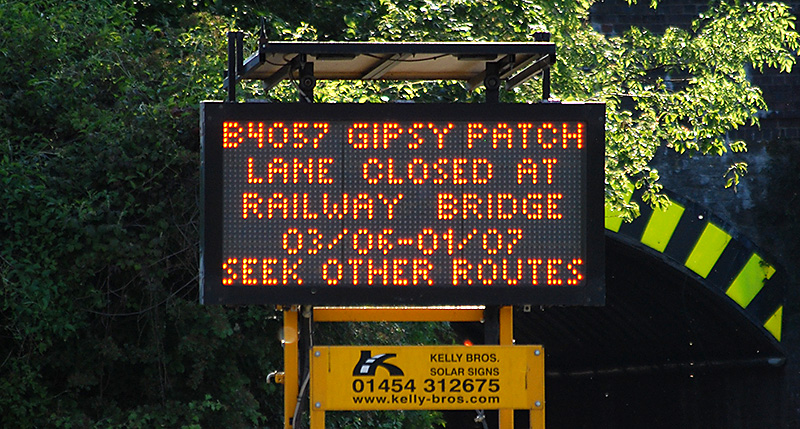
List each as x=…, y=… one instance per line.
x=427, y=377
x=402, y=204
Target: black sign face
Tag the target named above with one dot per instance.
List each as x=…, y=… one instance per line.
x=402, y=204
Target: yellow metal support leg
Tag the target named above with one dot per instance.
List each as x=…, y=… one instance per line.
x=317, y=418
x=290, y=365
x=318, y=384
x=506, y=323
x=506, y=326
x=537, y=419
x=536, y=382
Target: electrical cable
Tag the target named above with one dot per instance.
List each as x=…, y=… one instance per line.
x=402, y=60
x=299, y=401
x=304, y=386
x=481, y=418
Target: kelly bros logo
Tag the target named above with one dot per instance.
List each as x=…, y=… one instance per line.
x=368, y=364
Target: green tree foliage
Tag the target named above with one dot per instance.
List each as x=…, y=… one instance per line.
x=684, y=88
x=99, y=321
x=99, y=227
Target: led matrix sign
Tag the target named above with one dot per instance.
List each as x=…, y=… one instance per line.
x=402, y=204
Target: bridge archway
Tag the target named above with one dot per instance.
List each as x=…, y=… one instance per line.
x=689, y=336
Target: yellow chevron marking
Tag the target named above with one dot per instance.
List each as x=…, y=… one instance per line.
x=774, y=323
x=661, y=226
x=750, y=280
x=708, y=249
